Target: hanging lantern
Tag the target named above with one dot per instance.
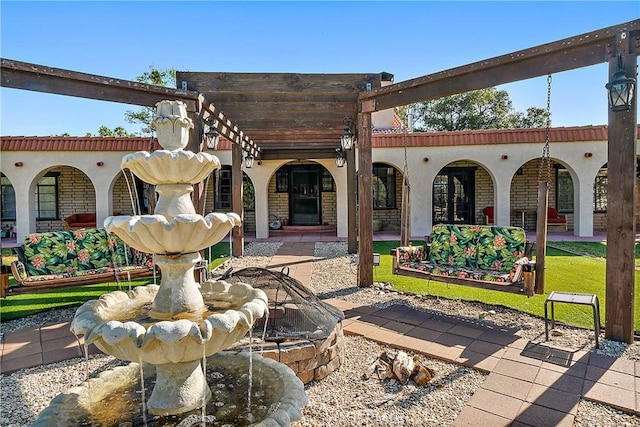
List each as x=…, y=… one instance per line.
x=340, y=157
x=621, y=89
x=248, y=161
x=346, y=140
x=211, y=136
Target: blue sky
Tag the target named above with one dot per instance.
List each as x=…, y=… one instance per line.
x=408, y=39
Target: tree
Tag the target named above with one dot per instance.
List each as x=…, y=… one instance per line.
x=144, y=116
x=480, y=109
x=117, y=131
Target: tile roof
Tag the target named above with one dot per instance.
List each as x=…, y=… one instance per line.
x=74, y=143
x=490, y=136
x=381, y=138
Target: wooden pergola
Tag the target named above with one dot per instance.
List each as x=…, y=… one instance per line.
x=301, y=116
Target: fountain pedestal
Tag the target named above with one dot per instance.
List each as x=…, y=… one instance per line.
x=179, y=292
x=180, y=387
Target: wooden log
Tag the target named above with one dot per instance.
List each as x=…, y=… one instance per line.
x=352, y=220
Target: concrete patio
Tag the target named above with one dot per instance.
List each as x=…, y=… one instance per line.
x=528, y=384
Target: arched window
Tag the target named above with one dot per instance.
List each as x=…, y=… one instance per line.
x=8, y=195
x=384, y=186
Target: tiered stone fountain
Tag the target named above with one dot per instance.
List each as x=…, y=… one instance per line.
x=172, y=327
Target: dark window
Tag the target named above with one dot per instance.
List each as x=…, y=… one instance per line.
x=282, y=180
x=223, y=189
x=328, y=185
x=8, y=200
x=384, y=186
x=564, y=192
x=223, y=184
x=600, y=191
x=47, y=196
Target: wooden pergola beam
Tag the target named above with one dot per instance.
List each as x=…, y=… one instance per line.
x=39, y=78
x=563, y=55
x=228, y=129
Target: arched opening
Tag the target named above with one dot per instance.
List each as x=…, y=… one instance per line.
x=454, y=194
x=55, y=194
x=304, y=194
x=219, y=196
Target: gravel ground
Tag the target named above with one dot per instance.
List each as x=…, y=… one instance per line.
x=344, y=398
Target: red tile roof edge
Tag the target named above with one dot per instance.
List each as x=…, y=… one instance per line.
x=380, y=139
x=75, y=143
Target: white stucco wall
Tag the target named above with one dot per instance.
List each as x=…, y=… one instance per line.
x=421, y=172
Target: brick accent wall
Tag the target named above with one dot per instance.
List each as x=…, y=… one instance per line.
x=121, y=198
x=484, y=193
x=329, y=208
x=75, y=195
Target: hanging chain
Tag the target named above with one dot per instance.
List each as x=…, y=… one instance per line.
x=545, y=160
x=153, y=143
x=404, y=141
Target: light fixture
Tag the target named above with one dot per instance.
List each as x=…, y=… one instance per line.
x=340, y=157
x=620, y=89
x=346, y=140
x=248, y=161
x=100, y=164
x=211, y=136
x=588, y=154
x=505, y=157
x=18, y=164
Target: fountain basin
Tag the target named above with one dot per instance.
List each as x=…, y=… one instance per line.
x=185, y=233
x=113, y=397
x=121, y=324
x=114, y=323
x=171, y=167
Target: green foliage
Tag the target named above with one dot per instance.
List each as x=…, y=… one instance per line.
x=480, y=109
x=117, y=131
x=144, y=115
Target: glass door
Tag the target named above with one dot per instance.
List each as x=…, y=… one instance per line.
x=304, y=197
x=453, y=196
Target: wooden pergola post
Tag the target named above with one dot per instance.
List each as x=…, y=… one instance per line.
x=352, y=236
x=365, y=202
x=237, y=204
x=620, y=205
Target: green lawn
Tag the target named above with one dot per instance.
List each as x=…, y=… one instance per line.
x=580, y=270
x=16, y=306
x=566, y=271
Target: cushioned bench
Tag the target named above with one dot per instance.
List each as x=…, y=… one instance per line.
x=493, y=257
x=80, y=220
x=65, y=258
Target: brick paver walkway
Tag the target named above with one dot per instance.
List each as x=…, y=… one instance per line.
x=528, y=384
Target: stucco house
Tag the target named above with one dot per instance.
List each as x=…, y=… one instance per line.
x=453, y=177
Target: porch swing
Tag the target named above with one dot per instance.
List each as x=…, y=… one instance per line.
x=484, y=256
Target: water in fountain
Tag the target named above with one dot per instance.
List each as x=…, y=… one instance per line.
x=170, y=328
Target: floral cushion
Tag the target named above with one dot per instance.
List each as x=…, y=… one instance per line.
x=476, y=252
x=500, y=247
x=407, y=254
x=66, y=254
